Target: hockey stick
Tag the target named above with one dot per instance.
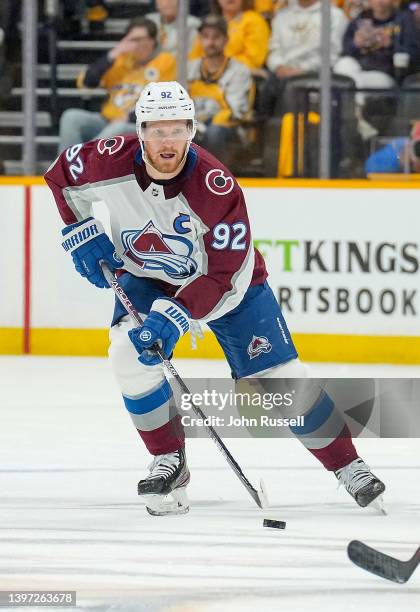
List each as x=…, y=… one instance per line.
x=381, y=564
x=259, y=497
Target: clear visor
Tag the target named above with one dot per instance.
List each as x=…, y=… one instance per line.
x=170, y=132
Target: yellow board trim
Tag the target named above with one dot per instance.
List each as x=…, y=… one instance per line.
x=70, y=342
x=393, y=176
x=22, y=181
x=11, y=341
x=412, y=182
x=340, y=348
x=311, y=347
x=328, y=183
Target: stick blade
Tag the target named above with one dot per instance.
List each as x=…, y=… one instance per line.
x=379, y=563
x=263, y=495
x=256, y=496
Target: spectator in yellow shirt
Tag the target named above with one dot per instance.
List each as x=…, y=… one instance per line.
x=248, y=33
x=265, y=7
x=123, y=72
x=268, y=8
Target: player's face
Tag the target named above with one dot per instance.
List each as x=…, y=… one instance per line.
x=165, y=142
x=213, y=42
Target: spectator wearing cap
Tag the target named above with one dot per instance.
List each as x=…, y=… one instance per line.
x=248, y=33
x=123, y=72
x=165, y=19
x=222, y=89
x=295, y=47
x=400, y=155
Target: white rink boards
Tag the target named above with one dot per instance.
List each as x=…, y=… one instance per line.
x=70, y=517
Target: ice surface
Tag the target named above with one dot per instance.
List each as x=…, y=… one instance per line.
x=70, y=517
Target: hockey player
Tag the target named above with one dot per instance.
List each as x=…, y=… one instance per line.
x=182, y=249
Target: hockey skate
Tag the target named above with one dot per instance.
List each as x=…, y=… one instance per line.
x=362, y=485
x=168, y=478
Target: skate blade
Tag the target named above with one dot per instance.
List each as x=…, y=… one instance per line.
x=168, y=511
x=163, y=505
x=379, y=505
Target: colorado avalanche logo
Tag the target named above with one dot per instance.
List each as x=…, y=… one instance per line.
x=149, y=249
x=258, y=345
x=110, y=145
x=217, y=182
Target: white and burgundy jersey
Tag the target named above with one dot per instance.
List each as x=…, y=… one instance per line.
x=191, y=233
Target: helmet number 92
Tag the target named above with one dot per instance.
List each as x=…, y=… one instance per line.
x=230, y=237
x=166, y=94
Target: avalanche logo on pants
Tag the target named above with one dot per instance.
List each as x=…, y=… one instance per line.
x=258, y=345
x=149, y=249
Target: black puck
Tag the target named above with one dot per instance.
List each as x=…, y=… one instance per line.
x=274, y=524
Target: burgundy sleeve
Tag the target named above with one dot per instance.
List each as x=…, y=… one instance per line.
x=65, y=176
x=230, y=255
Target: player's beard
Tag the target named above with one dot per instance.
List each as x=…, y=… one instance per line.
x=166, y=160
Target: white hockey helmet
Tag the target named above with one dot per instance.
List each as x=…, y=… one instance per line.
x=164, y=101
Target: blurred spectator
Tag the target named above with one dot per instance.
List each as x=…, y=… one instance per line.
x=414, y=7
x=9, y=18
x=265, y=7
x=416, y=14
x=351, y=8
x=222, y=90
x=248, y=33
x=124, y=71
x=377, y=40
x=1, y=49
x=96, y=15
x=6, y=80
x=71, y=12
x=165, y=20
x=199, y=8
x=268, y=8
x=295, y=48
x=401, y=155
